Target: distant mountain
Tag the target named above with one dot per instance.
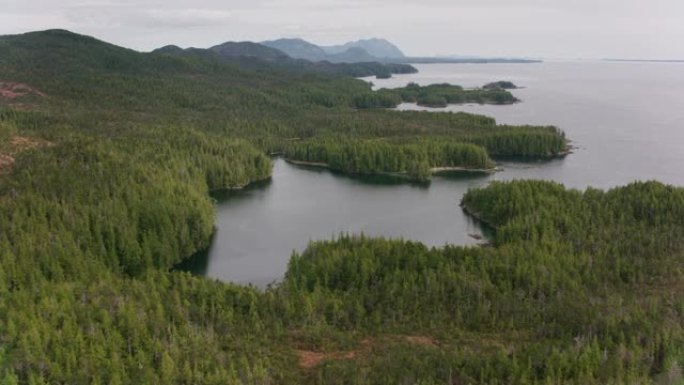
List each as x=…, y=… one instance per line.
x=169, y=49
x=354, y=62
x=352, y=52
x=298, y=49
x=248, y=49
x=378, y=48
x=352, y=55
x=229, y=50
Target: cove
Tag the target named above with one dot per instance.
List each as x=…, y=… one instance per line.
x=258, y=227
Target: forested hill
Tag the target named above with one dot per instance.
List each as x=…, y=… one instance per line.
x=107, y=159
x=257, y=55
x=379, y=48
x=248, y=49
x=81, y=77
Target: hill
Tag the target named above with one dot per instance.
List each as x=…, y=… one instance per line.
x=358, y=51
x=254, y=55
x=248, y=49
x=298, y=49
x=352, y=55
x=378, y=48
x=229, y=50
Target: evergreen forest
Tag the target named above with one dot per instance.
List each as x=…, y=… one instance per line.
x=107, y=160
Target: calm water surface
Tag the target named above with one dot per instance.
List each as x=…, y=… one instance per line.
x=626, y=120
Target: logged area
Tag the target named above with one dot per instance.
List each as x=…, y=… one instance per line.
x=107, y=159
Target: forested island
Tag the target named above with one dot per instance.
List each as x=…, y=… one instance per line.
x=107, y=158
x=501, y=84
x=434, y=95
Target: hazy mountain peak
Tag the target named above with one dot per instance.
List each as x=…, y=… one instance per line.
x=371, y=49
x=380, y=48
x=297, y=48
x=248, y=49
x=168, y=49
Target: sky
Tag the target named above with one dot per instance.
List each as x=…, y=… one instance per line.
x=564, y=29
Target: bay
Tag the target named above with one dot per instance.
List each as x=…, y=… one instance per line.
x=626, y=122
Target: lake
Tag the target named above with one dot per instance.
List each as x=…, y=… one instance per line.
x=626, y=121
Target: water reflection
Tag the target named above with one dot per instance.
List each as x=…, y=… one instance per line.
x=257, y=228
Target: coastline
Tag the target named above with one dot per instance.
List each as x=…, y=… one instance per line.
x=241, y=186
x=476, y=215
x=443, y=169
x=433, y=170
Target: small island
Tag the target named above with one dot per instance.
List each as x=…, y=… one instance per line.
x=434, y=95
x=500, y=85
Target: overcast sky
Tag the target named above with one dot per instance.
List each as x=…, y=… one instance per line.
x=532, y=28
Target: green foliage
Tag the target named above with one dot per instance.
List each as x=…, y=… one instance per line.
x=501, y=84
x=435, y=95
x=414, y=160
x=581, y=288
x=108, y=188
x=379, y=99
x=131, y=202
x=439, y=95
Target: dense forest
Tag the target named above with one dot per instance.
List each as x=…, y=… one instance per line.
x=107, y=158
x=415, y=159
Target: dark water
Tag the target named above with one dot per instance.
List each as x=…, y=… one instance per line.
x=626, y=120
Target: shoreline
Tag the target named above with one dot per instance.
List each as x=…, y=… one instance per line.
x=240, y=186
x=425, y=107
x=433, y=170
x=476, y=215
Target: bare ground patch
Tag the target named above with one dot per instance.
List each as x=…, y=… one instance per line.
x=6, y=163
x=13, y=90
x=23, y=143
x=422, y=340
x=309, y=359
x=16, y=145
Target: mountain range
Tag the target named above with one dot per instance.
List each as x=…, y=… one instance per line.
x=299, y=52
x=351, y=52
x=253, y=55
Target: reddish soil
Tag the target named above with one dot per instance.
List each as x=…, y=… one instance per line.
x=309, y=359
x=6, y=163
x=21, y=143
x=13, y=90
x=422, y=340
x=18, y=144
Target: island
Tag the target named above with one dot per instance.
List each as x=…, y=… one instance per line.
x=500, y=85
x=434, y=95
